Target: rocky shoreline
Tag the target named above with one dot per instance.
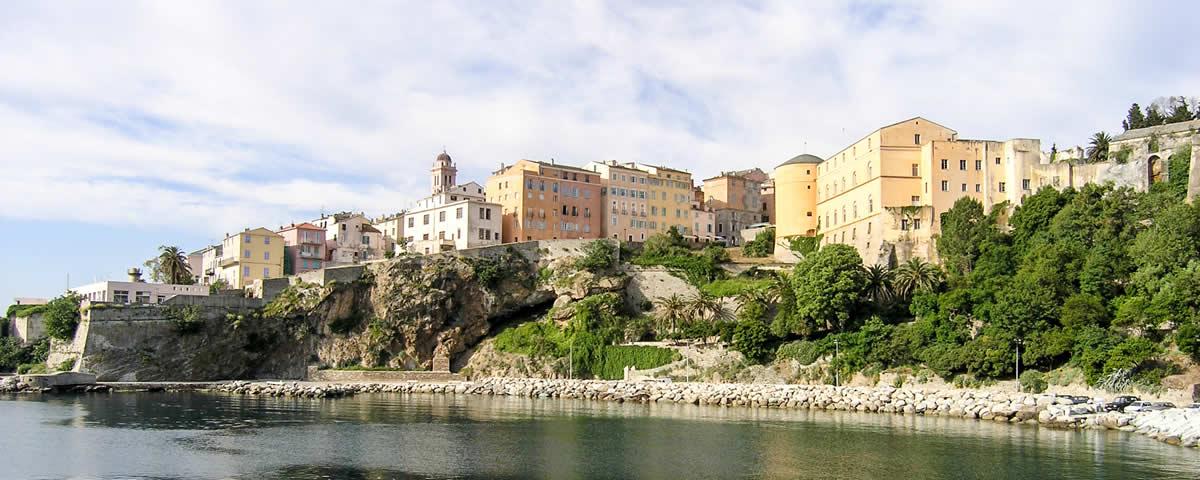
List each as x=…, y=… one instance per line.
x=1176, y=427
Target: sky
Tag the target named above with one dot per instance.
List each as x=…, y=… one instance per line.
x=129, y=125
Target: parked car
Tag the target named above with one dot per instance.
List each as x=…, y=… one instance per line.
x=1148, y=406
x=1118, y=404
x=1074, y=399
x=1192, y=406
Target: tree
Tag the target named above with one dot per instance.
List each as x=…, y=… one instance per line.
x=217, y=285
x=965, y=229
x=1084, y=310
x=171, y=266
x=879, y=285
x=61, y=316
x=1134, y=119
x=1098, y=147
x=762, y=245
x=750, y=337
x=671, y=312
x=1179, y=111
x=704, y=306
x=1154, y=116
x=916, y=275
x=828, y=287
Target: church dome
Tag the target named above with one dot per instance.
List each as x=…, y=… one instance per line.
x=443, y=157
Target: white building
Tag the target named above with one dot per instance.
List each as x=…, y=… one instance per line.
x=205, y=264
x=136, y=292
x=454, y=217
x=350, y=238
x=703, y=221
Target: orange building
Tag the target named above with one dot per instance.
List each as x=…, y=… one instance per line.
x=546, y=201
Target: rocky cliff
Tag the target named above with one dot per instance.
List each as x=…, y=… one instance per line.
x=400, y=313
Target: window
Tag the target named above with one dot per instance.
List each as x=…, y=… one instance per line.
x=266, y=272
x=441, y=235
x=1024, y=184
x=904, y=224
x=245, y=271
x=266, y=240
x=916, y=200
x=916, y=170
x=121, y=296
x=979, y=165
x=962, y=164
x=1001, y=186
x=458, y=212
x=316, y=264
x=485, y=213
x=442, y=216
x=945, y=164
x=410, y=222
x=424, y=236
x=425, y=219
x=964, y=187
x=997, y=160
x=266, y=255
x=976, y=188
x=366, y=240
x=945, y=186
x=246, y=254
x=917, y=139
x=870, y=204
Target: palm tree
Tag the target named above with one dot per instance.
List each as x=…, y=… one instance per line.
x=719, y=312
x=1098, y=147
x=879, y=285
x=671, y=312
x=703, y=305
x=780, y=283
x=752, y=296
x=916, y=274
x=173, y=266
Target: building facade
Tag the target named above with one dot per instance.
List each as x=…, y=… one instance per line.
x=795, y=201
x=624, y=201
x=735, y=198
x=670, y=192
x=136, y=292
x=251, y=255
x=350, y=238
x=303, y=248
x=546, y=201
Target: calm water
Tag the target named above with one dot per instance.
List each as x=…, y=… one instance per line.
x=190, y=435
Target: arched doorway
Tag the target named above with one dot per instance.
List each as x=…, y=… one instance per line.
x=1155, y=168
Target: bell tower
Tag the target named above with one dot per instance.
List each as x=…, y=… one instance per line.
x=443, y=173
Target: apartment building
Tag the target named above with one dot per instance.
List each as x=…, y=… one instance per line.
x=736, y=200
x=136, y=292
x=251, y=255
x=624, y=198
x=303, y=248
x=350, y=238
x=546, y=201
x=884, y=193
x=670, y=192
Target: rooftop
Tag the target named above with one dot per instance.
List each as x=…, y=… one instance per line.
x=1167, y=129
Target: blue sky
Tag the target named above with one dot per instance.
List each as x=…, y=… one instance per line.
x=126, y=125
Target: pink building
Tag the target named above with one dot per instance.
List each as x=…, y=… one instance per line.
x=303, y=248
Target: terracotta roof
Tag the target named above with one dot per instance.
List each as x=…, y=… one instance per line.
x=368, y=228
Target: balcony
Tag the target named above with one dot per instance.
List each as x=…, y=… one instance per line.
x=227, y=261
x=311, y=254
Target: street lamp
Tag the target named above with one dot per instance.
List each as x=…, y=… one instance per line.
x=1019, y=342
x=836, y=380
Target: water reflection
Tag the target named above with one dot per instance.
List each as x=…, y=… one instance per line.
x=181, y=435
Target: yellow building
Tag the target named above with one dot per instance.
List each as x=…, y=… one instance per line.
x=795, y=200
x=641, y=200
x=884, y=193
x=251, y=255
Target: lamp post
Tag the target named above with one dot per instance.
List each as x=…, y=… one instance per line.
x=836, y=381
x=1019, y=342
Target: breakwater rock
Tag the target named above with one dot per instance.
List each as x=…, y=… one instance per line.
x=1177, y=427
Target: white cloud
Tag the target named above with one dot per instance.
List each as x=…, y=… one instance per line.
x=212, y=116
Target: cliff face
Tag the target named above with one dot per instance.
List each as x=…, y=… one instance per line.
x=401, y=313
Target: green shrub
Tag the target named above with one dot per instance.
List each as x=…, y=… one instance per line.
x=61, y=316
x=751, y=338
x=597, y=256
x=13, y=354
x=1187, y=337
x=732, y=287
x=31, y=368
x=616, y=358
x=802, y=351
x=763, y=244
x=185, y=320
x=66, y=365
x=1033, y=381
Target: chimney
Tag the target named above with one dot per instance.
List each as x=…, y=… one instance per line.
x=135, y=275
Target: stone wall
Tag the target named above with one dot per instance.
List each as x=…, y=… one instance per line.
x=343, y=274
x=27, y=329
x=652, y=283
